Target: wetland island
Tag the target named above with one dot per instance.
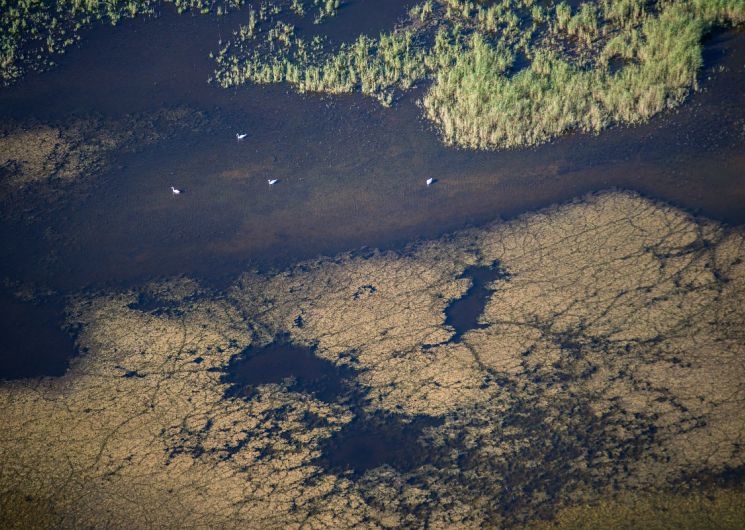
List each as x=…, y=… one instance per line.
x=372, y=264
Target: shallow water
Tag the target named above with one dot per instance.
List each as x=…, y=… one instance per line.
x=351, y=173
x=281, y=361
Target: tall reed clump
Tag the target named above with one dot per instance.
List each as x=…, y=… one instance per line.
x=508, y=73
x=477, y=104
x=375, y=67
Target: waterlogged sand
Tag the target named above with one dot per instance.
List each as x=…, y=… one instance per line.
x=611, y=360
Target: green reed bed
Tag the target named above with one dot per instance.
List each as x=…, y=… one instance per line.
x=33, y=32
x=504, y=74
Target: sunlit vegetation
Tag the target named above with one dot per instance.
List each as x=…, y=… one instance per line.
x=499, y=73
x=504, y=73
x=33, y=31
x=717, y=508
x=325, y=8
x=603, y=388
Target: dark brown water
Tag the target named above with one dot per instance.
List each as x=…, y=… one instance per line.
x=281, y=361
x=370, y=440
x=351, y=173
x=464, y=313
x=34, y=342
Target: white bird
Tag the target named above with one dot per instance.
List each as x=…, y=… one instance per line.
x=430, y=181
x=272, y=182
x=240, y=136
x=175, y=191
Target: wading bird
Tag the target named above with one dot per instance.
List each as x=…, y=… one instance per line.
x=430, y=181
x=272, y=182
x=175, y=191
x=240, y=136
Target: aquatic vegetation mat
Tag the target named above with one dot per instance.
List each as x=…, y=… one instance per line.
x=34, y=33
x=605, y=365
x=34, y=155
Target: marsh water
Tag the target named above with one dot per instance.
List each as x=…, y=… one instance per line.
x=463, y=314
x=368, y=441
x=350, y=173
x=371, y=439
x=282, y=360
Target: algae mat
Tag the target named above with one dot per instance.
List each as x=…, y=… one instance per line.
x=608, y=362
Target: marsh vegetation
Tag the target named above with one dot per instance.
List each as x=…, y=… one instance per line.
x=32, y=33
x=610, y=364
x=35, y=155
x=603, y=388
x=502, y=74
